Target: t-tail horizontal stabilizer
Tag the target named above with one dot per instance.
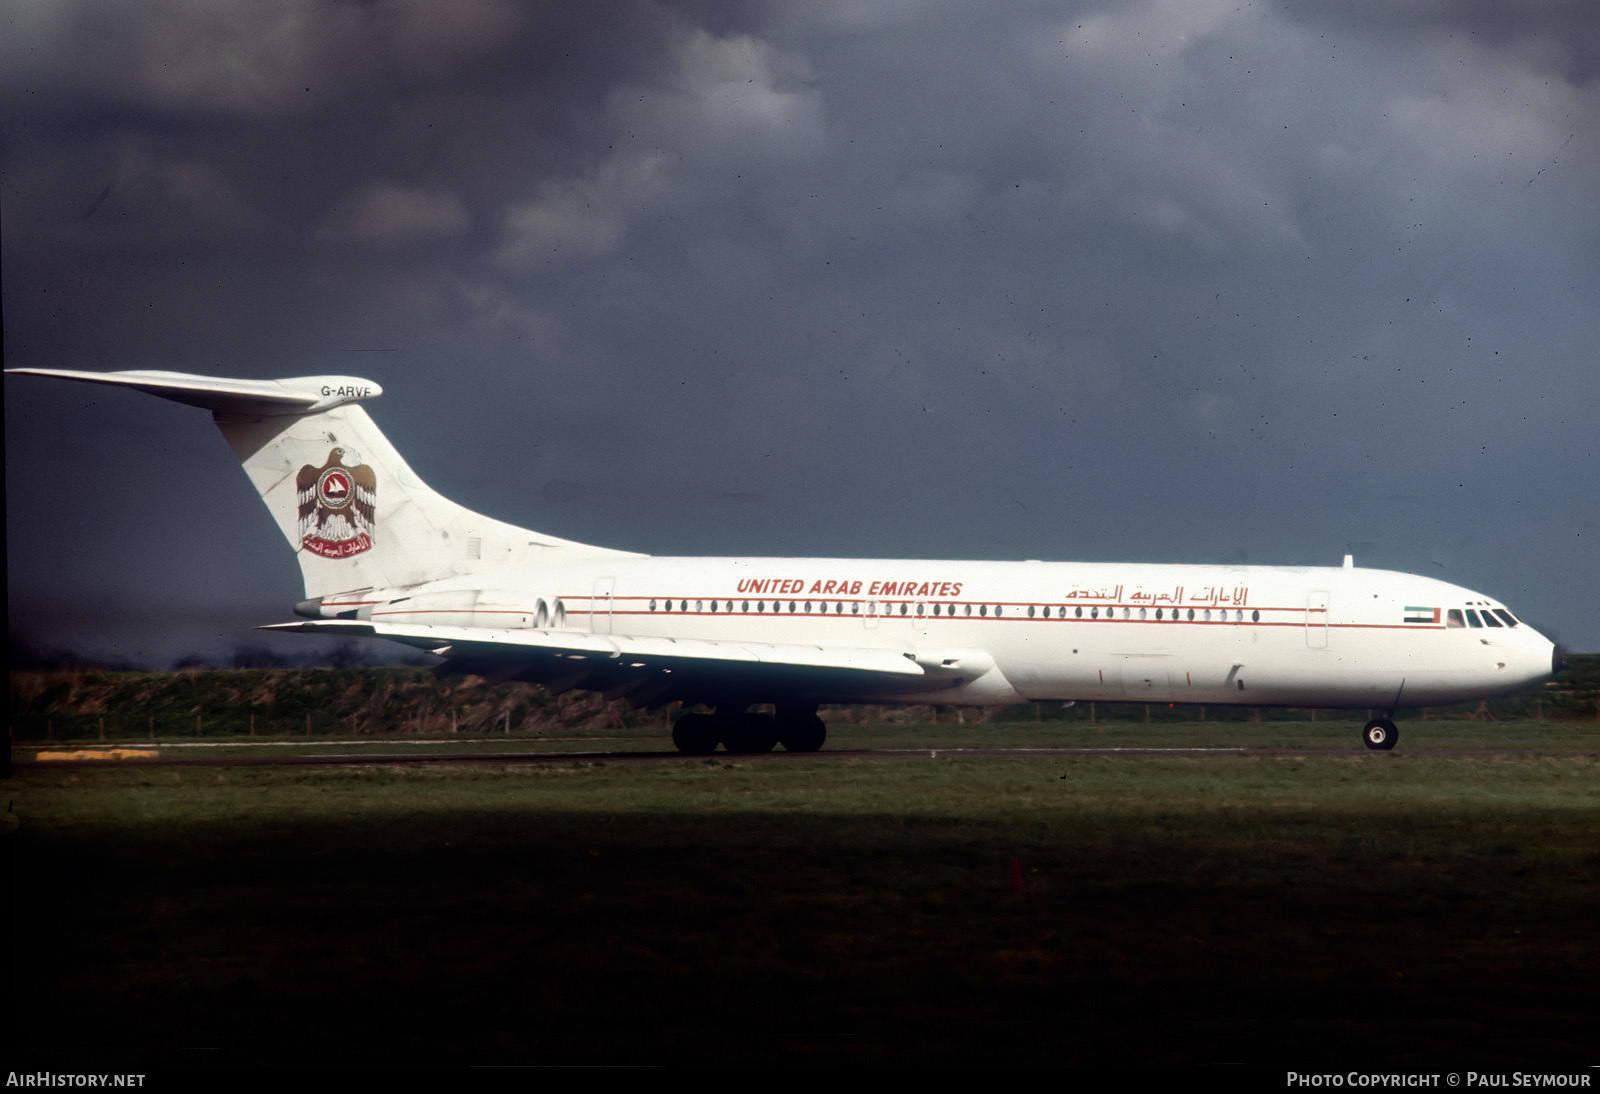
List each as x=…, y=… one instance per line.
x=221, y=395
x=354, y=512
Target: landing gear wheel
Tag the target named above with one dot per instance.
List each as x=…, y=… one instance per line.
x=1380, y=734
x=803, y=734
x=695, y=734
x=750, y=733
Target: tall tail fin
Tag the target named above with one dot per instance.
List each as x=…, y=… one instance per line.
x=350, y=506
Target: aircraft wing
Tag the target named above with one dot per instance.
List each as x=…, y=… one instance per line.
x=647, y=670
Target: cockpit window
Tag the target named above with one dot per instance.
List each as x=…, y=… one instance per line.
x=1491, y=620
x=1452, y=618
x=1511, y=620
x=1472, y=619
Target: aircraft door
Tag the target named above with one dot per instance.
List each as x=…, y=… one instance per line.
x=1146, y=679
x=1317, y=621
x=600, y=606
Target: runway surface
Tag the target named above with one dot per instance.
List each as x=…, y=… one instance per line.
x=140, y=757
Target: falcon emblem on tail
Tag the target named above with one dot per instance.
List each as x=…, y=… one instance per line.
x=337, y=505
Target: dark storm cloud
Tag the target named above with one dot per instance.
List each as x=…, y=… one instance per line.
x=1561, y=34
x=1163, y=280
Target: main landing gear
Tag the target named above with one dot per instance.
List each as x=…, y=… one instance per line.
x=1380, y=734
x=797, y=728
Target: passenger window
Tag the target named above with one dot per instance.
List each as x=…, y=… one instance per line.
x=1472, y=619
x=984, y=610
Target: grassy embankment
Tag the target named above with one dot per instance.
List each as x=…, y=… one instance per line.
x=297, y=703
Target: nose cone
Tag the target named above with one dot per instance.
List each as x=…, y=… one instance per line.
x=1533, y=658
x=1546, y=657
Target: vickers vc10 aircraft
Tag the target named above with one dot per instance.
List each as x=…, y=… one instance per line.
x=383, y=555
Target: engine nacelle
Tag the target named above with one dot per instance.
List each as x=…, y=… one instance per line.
x=499, y=609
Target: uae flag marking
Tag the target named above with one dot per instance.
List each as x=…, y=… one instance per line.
x=1421, y=615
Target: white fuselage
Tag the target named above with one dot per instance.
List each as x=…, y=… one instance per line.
x=995, y=632
x=382, y=554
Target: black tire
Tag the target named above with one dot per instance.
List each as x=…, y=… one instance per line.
x=750, y=733
x=1380, y=734
x=695, y=734
x=803, y=734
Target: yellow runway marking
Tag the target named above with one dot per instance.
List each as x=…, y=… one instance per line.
x=100, y=754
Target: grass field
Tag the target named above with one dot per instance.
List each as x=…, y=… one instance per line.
x=1410, y=908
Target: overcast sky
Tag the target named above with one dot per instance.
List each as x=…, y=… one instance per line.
x=1155, y=280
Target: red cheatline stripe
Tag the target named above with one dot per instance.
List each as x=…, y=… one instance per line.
x=678, y=614
x=460, y=611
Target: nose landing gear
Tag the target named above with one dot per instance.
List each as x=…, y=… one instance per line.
x=1380, y=734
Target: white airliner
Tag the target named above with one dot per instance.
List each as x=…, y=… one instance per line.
x=383, y=555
